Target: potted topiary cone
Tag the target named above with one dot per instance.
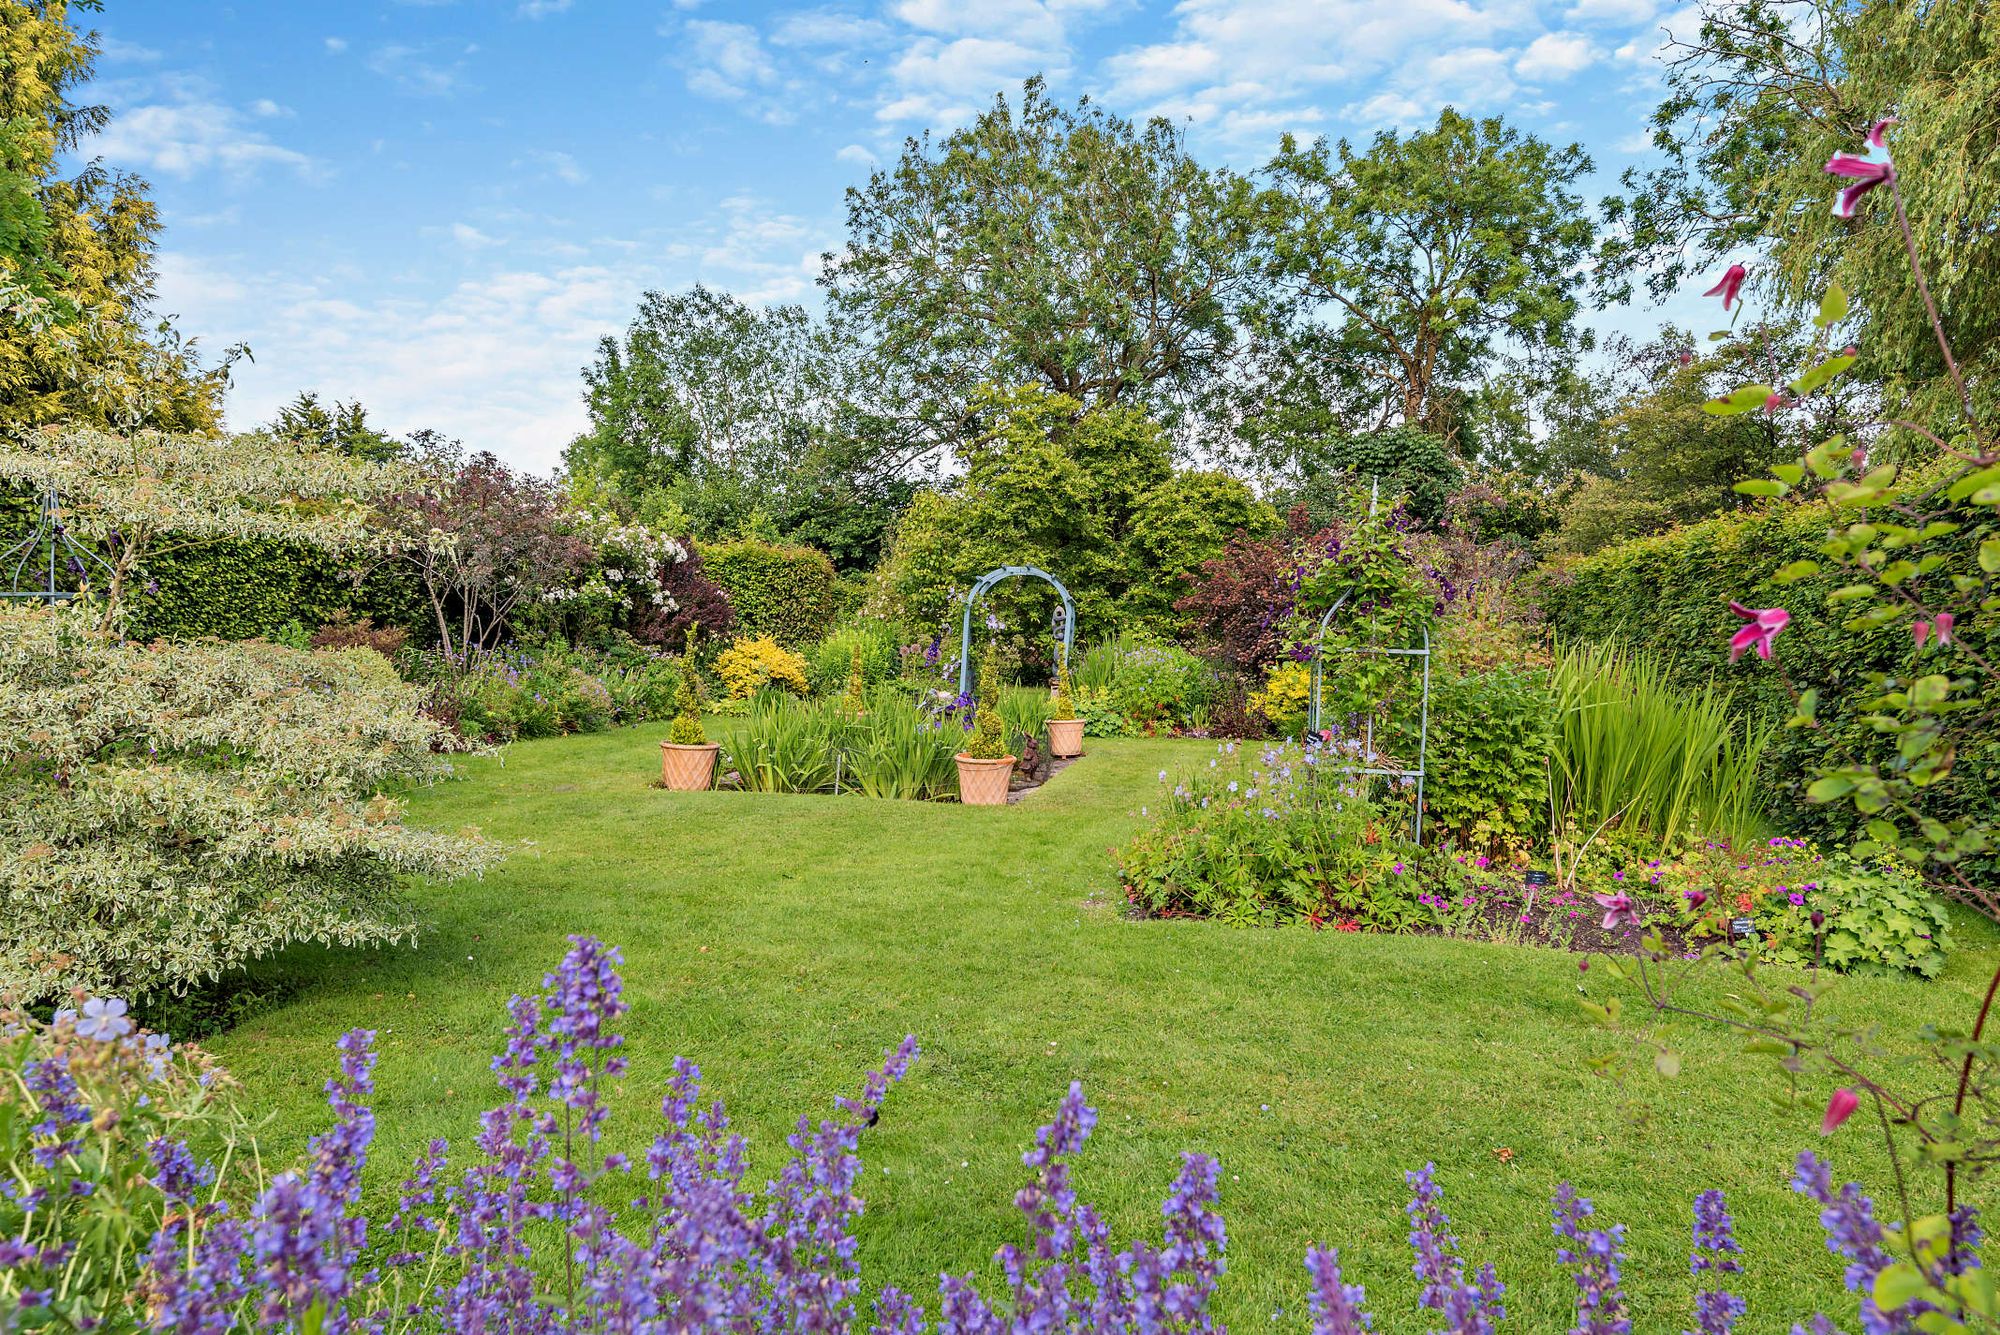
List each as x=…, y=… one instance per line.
x=984, y=767
x=687, y=757
x=1065, y=731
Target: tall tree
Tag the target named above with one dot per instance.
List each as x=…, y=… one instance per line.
x=1044, y=245
x=87, y=349
x=1404, y=270
x=727, y=417
x=340, y=426
x=1760, y=94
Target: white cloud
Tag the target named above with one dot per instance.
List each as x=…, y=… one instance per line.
x=825, y=27
x=535, y=9
x=415, y=70
x=187, y=131
x=265, y=107
x=118, y=52
x=336, y=45
x=561, y=166
x=1613, y=11
x=855, y=153
x=1556, y=55
x=729, y=62
x=470, y=237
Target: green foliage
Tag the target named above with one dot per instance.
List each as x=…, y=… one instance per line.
x=1279, y=843
x=78, y=342
x=786, y=593
x=1072, y=249
x=337, y=426
x=830, y=663
x=1063, y=706
x=1161, y=686
x=237, y=589
x=545, y=691
x=1758, y=98
x=171, y=811
x=1486, y=764
x=988, y=739
x=1415, y=465
x=789, y=746
x=1880, y=915
x=1431, y=250
x=1671, y=592
x=1026, y=711
x=1657, y=762
x=1089, y=496
x=899, y=752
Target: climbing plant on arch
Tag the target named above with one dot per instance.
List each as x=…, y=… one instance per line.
x=978, y=590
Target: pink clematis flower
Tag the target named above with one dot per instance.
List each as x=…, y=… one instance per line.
x=1730, y=285
x=1765, y=623
x=1619, y=910
x=1878, y=131
x=1838, y=1109
x=1943, y=623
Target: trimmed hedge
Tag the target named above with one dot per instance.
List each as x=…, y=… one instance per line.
x=239, y=589
x=787, y=593
x=1670, y=595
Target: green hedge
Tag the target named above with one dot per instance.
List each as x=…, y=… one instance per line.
x=1670, y=595
x=787, y=593
x=243, y=588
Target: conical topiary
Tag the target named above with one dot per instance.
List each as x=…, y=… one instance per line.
x=686, y=729
x=988, y=740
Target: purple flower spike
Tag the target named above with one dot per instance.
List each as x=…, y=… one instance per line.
x=1593, y=1256
x=1336, y=1305
x=1469, y=1308
x=1715, y=1251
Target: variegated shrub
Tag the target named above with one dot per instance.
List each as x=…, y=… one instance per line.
x=169, y=811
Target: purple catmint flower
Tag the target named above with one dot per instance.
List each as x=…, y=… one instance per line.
x=1852, y=1232
x=1469, y=1308
x=1715, y=1251
x=53, y=1091
x=1336, y=1305
x=175, y=1173
x=1593, y=1255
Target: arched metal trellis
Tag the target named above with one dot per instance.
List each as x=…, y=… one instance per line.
x=987, y=581
x=49, y=549
x=1422, y=652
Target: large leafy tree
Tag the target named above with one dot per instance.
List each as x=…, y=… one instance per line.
x=1760, y=94
x=717, y=417
x=77, y=341
x=1402, y=271
x=1046, y=245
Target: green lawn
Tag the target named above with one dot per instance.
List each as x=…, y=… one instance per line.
x=783, y=942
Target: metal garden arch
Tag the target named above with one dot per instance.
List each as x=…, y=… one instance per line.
x=987, y=581
x=49, y=537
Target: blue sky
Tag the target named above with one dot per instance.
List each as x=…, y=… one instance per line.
x=439, y=207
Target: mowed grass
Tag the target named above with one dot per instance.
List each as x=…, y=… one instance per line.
x=783, y=942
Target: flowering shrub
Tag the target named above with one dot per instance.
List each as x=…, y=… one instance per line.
x=93, y=1145
x=170, y=811
x=1290, y=837
x=750, y=666
x=109, y=1184
x=546, y=691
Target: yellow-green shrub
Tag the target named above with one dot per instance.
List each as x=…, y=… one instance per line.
x=749, y=666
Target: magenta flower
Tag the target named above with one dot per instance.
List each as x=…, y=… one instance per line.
x=1942, y=623
x=1619, y=910
x=1765, y=623
x=1730, y=286
x=1838, y=1109
x=1865, y=173
x=1695, y=898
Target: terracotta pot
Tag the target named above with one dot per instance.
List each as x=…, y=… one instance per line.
x=984, y=783
x=688, y=769
x=1065, y=737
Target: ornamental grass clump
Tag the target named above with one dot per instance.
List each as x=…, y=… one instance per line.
x=116, y=1208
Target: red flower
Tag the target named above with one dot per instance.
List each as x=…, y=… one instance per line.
x=1730, y=285
x=1865, y=174
x=1838, y=1109
x=1765, y=623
